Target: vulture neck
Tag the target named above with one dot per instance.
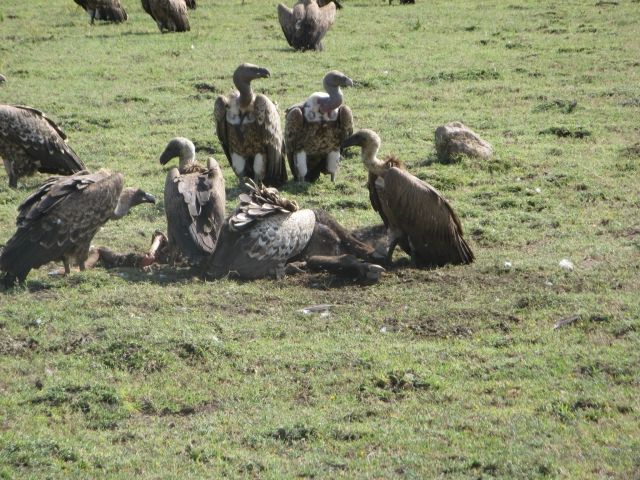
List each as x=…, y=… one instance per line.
x=373, y=164
x=335, y=98
x=125, y=202
x=246, y=93
x=187, y=156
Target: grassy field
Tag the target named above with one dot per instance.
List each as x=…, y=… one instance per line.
x=450, y=373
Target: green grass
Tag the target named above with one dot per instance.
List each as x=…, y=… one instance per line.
x=451, y=373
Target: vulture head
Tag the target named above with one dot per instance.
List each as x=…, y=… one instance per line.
x=247, y=72
x=369, y=141
x=336, y=79
x=180, y=147
x=129, y=198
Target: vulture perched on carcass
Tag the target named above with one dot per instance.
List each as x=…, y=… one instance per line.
x=249, y=130
x=106, y=10
x=30, y=142
x=59, y=220
x=314, y=130
x=416, y=215
x=170, y=15
x=267, y=232
x=306, y=24
x=194, y=202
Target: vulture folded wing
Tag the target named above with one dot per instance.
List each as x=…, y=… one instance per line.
x=287, y=22
x=317, y=22
x=345, y=123
x=40, y=138
x=263, y=249
x=293, y=135
x=111, y=10
x=193, y=213
x=220, y=108
x=433, y=228
x=268, y=118
x=374, y=198
x=146, y=5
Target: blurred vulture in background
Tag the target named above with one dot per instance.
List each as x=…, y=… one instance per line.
x=191, y=4
x=404, y=2
x=249, y=130
x=416, y=215
x=3, y=79
x=107, y=10
x=315, y=130
x=30, y=142
x=194, y=202
x=59, y=220
x=169, y=15
x=267, y=233
x=306, y=24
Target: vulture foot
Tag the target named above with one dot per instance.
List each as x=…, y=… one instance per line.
x=346, y=265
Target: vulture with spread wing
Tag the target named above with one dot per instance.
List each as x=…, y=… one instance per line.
x=416, y=215
x=314, y=130
x=194, y=202
x=267, y=232
x=169, y=15
x=30, y=142
x=59, y=220
x=248, y=127
x=306, y=24
x=106, y=10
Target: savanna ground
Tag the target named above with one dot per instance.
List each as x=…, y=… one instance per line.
x=451, y=373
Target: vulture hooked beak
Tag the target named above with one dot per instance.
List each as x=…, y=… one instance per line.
x=260, y=72
x=144, y=197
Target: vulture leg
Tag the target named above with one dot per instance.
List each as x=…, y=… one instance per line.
x=239, y=165
x=332, y=164
x=301, y=165
x=259, y=168
x=67, y=267
x=13, y=179
x=82, y=266
x=93, y=16
x=346, y=265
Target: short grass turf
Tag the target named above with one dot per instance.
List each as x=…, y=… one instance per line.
x=451, y=373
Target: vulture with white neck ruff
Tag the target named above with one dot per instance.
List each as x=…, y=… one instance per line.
x=305, y=25
x=30, y=142
x=169, y=15
x=416, y=215
x=194, y=201
x=248, y=127
x=315, y=130
x=267, y=232
x=105, y=10
x=59, y=220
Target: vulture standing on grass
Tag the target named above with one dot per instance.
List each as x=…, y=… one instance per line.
x=248, y=127
x=416, y=215
x=315, y=130
x=30, y=142
x=58, y=221
x=107, y=10
x=267, y=232
x=194, y=202
x=170, y=15
x=306, y=24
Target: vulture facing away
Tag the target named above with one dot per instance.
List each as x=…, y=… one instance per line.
x=194, y=202
x=306, y=24
x=59, y=220
x=248, y=128
x=170, y=15
x=315, y=130
x=267, y=232
x=416, y=215
x=30, y=142
x=107, y=10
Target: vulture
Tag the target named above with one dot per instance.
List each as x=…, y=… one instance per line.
x=58, y=221
x=107, y=10
x=3, y=79
x=416, y=215
x=191, y=4
x=267, y=232
x=314, y=130
x=170, y=15
x=30, y=141
x=404, y=2
x=306, y=24
x=248, y=127
x=194, y=202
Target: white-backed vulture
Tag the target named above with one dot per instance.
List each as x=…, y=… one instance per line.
x=30, y=142
x=58, y=221
x=267, y=232
x=305, y=25
x=314, y=130
x=416, y=215
x=249, y=130
x=169, y=15
x=194, y=201
x=106, y=10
